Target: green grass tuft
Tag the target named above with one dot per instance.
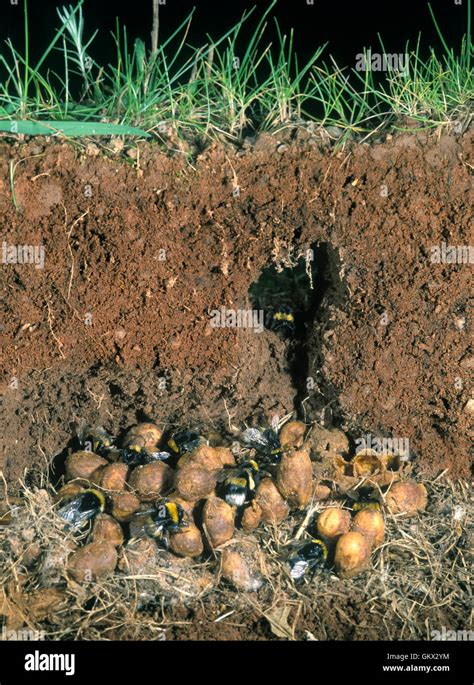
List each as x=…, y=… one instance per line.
x=216, y=90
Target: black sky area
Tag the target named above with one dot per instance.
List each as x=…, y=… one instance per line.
x=348, y=27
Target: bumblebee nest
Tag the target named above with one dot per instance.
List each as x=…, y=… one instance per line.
x=419, y=579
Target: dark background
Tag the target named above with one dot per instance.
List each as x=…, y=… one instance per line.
x=347, y=26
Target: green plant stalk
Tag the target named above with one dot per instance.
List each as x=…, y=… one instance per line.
x=11, y=174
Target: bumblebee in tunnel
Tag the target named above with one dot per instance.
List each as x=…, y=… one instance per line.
x=184, y=441
x=82, y=508
x=265, y=442
x=281, y=319
x=167, y=518
x=237, y=485
x=305, y=557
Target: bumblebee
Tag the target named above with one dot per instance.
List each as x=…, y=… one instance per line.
x=134, y=452
x=364, y=498
x=185, y=441
x=95, y=440
x=82, y=508
x=167, y=518
x=137, y=457
x=238, y=484
x=366, y=504
x=305, y=557
x=265, y=442
x=281, y=319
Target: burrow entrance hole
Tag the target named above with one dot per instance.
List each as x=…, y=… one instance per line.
x=297, y=300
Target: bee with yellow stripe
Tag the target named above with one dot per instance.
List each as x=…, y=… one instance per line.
x=305, y=557
x=367, y=504
x=95, y=440
x=286, y=317
x=184, y=441
x=82, y=508
x=265, y=442
x=238, y=484
x=134, y=452
x=364, y=498
x=281, y=319
x=167, y=518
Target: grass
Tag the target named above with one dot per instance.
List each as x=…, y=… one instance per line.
x=206, y=92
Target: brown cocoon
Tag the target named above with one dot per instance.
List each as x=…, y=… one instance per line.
x=107, y=529
x=68, y=491
x=188, y=542
x=93, y=561
x=370, y=523
x=272, y=505
x=148, y=433
x=295, y=478
x=83, y=465
x=321, y=492
x=194, y=482
x=124, y=506
x=367, y=463
x=292, y=434
x=352, y=554
x=333, y=522
x=113, y=477
x=203, y=456
x=219, y=521
x=252, y=515
x=236, y=568
x=150, y=480
x=225, y=455
x=407, y=497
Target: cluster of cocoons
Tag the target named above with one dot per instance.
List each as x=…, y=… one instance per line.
x=193, y=485
x=351, y=537
x=212, y=523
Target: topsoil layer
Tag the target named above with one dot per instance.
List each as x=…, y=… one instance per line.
x=138, y=252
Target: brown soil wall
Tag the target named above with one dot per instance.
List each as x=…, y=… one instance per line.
x=138, y=252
